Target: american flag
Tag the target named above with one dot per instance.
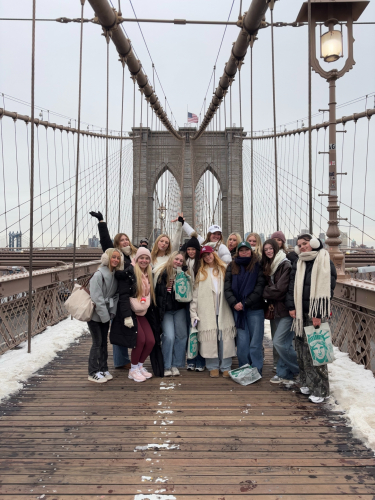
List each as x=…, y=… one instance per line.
x=192, y=118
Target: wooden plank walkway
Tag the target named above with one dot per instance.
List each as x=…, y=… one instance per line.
x=186, y=438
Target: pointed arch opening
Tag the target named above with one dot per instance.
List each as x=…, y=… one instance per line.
x=167, y=203
x=208, y=201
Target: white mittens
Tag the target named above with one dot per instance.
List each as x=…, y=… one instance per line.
x=129, y=322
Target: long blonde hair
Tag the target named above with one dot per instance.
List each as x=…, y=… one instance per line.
x=110, y=252
x=219, y=267
x=116, y=242
x=208, y=240
x=138, y=275
x=238, y=237
x=168, y=266
x=258, y=246
x=155, y=248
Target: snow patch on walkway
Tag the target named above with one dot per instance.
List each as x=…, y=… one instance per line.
x=16, y=366
x=154, y=497
x=267, y=328
x=353, y=387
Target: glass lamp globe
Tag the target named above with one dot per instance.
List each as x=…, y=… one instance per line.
x=331, y=45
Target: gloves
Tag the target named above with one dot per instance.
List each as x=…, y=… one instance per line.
x=194, y=322
x=97, y=215
x=129, y=322
x=184, y=268
x=181, y=219
x=112, y=316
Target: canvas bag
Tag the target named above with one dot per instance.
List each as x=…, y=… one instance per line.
x=320, y=344
x=182, y=287
x=138, y=307
x=192, y=349
x=79, y=304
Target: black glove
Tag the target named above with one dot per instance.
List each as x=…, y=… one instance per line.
x=184, y=268
x=181, y=219
x=97, y=215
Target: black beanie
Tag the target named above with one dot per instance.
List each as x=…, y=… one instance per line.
x=192, y=243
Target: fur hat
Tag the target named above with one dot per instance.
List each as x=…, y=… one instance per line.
x=107, y=255
x=280, y=235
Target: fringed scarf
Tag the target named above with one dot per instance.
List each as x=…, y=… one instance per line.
x=320, y=290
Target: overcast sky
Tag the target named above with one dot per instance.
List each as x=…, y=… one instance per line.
x=184, y=57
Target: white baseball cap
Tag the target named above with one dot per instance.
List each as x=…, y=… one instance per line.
x=214, y=228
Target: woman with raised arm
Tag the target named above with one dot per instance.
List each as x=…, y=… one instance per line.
x=135, y=320
x=172, y=315
x=277, y=268
x=211, y=314
x=128, y=251
x=103, y=292
x=213, y=239
x=234, y=239
x=244, y=285
x=256, y=244
x=311, y=286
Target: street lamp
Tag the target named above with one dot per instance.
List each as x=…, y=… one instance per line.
x=330, y=13
x=162, y=213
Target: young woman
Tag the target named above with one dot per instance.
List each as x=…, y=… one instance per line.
x=277, y=268
x=244, y=285
x=128, y=251
x=311, y=286
x=130, y=327
x=234, y=239
x=172, y=315
x=162, y=249
x=281, y=240
x=103, y=292
x=211, y=314
x=256, y=244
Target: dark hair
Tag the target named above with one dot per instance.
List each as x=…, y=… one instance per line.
x=266, y=261
x=236, y=268
x=197, y=259
x=305, y=237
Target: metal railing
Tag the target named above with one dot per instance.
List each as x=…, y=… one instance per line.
x=51, y=288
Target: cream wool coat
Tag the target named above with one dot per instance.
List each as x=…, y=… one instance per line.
x=203, y=307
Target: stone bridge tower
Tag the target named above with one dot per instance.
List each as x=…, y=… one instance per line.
x=154, y=152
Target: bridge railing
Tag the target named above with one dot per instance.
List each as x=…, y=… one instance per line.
x=51, y=288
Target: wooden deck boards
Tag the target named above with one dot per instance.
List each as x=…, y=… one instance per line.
x=63, y=437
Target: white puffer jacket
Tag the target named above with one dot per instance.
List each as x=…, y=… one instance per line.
x=222, y=251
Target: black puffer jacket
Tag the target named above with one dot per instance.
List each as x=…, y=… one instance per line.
x=289, y=302
x=121, y=334
x=275, y=292
x=106, y=242
x=166, y=301
x=254, y=301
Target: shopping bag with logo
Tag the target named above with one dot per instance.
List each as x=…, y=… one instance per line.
x=192, y=348
x=182, y=287
x=320, y=344
x=245, y=375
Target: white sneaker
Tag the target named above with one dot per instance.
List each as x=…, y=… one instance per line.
x=107, y=375
x=167, y=373
x=136, y=375
x=99, y=378
x=144, y=372
x=316, y=399
x=305, y=390
x=200, y=368
x=175, y=371
x=276, y=380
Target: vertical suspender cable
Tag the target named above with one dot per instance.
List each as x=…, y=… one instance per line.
x=310, y=144
x=122, y=119
x=252, y=132
x=106, y=140
x=140, y=162
x=30, y=311
x=231, y=162
x=272, y=3
x=78, y=140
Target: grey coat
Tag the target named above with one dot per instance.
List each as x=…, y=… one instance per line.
x=103, y=292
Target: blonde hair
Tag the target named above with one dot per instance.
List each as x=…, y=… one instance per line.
x=110, y=252
x=168, y=266
x=116, y=242
x=219, y=266
x=138, y=276
x=155, y=248
x=238, y=237
x=258, y=246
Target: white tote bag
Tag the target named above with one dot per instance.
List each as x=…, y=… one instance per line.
x=79, y=304
x=320, y=344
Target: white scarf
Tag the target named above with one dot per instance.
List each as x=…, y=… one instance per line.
x=320, y=290
x=279, y=258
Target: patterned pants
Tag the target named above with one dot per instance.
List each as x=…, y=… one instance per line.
x=313, y=377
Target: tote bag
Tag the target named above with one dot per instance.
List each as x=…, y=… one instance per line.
x=79, y=304
x=320, y=344
x=182, y=287
x=192, y=349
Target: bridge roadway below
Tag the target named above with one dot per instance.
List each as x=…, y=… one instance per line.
x=63, y=437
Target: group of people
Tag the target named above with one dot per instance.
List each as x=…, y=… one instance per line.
x=235, y=286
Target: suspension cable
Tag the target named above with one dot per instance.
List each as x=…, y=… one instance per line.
x=274, y=114
x=252, y=130
x=107, y=37
x=122, y=120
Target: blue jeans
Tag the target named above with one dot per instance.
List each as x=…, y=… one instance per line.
x=220, y=363
x=287, y=365
x=250, y=340
x=174, y=338
x=120, y=356
x=198, y=361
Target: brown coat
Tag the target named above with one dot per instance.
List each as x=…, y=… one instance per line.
x=275, y=292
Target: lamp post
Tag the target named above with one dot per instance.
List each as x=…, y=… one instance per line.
x=162, y=212
x=330, y=13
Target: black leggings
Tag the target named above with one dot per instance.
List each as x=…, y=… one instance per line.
x=98, y=358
